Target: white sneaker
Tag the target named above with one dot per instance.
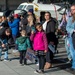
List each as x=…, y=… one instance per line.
x=5, y=60
x=39, y=71
x=14, y=51
x=37, y=64
x=35, y=72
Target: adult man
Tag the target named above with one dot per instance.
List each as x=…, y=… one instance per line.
x=14, y=26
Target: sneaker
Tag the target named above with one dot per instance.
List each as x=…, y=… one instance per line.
x=39, y=71
x=69, y=60
x=21, y=64
x=5, y=60
x=37, y=64
x=14, y=51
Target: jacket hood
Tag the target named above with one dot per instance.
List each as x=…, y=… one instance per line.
x=21, y=39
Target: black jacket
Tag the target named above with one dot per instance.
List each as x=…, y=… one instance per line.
x=50, y=26
x=50, y=31
x=3, y=35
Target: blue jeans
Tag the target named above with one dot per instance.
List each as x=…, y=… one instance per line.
x=6, y=52
x=72, y=51
x=6, y=55
x=68, y=48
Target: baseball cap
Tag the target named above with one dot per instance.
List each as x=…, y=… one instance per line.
x=16, y=15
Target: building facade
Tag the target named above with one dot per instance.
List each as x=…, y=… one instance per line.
x=10, y=4
x=13, y=4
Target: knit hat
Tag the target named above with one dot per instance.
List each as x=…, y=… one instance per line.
x=30, y=10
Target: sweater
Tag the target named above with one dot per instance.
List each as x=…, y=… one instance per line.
x=39, y=41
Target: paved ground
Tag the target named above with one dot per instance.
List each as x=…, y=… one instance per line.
x=60, y=65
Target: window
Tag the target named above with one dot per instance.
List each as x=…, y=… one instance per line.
x=29, y=7
x=20, y=6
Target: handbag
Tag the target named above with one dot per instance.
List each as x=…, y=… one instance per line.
x=30, y=55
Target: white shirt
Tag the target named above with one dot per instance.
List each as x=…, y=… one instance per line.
x=44, y=25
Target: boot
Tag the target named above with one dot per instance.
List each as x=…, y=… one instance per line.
x=47, y=65
x=25, y=61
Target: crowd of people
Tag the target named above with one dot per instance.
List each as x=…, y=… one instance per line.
x=27, y=31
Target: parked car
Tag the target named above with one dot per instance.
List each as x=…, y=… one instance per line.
x=5, y=12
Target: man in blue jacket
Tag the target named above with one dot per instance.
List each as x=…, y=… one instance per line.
x=14, y=27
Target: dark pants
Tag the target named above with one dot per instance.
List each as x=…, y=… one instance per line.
x=49, y=56
x=41, y=62
x=14, y=38
x=22, y=57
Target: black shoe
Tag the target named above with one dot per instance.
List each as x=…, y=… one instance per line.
x=40, y=71
x=25, y=63
x=0, y=59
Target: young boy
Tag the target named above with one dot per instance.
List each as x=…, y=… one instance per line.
x=23, y=43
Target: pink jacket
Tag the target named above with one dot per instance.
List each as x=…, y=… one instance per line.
x=39, y=41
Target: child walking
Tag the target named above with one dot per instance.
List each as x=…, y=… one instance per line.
x=23, y=43
x=40, y=45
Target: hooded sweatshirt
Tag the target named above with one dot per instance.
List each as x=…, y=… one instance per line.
x=23, y=43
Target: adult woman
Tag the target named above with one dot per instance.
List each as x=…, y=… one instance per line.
x=30, y=25
x=49, y=28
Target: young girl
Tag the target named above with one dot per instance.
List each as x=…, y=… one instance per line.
x=23, y=43
x=40, y=46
